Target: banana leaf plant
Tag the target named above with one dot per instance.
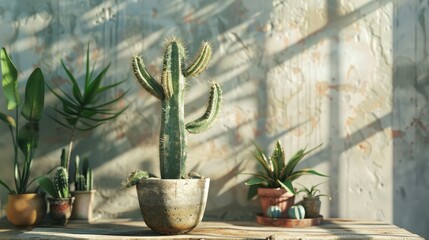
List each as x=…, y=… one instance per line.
x=84, y=109
x=25, y=138
x=276, y=171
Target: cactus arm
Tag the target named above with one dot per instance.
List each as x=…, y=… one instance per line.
x=89, y=180
x=207, y=119
x=172, y=135
x=201, y=61
x=145, y=79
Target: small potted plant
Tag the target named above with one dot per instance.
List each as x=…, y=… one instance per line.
x=274, y=183
x=83, y=192
x=60, y=202
x=84, y=110
x=25, y=207
x=175, y=203
x=311, y=201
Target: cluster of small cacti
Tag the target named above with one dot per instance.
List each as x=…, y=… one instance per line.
x=83, y=178
x=171, y=91
x=61, y=182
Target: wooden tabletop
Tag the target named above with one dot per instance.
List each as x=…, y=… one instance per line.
x=131, y=229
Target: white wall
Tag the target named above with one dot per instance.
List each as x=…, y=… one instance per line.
x=348, y=74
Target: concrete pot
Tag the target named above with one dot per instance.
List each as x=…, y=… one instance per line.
x=83, y=205
x=26, y=210
x=275, y=197
x=60, y=209
x=172, y=206
x=312, y=207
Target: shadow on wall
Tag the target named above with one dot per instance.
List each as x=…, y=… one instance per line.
x=410, y=99
x=239, y=31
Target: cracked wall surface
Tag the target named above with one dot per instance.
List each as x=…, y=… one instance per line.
x=349, y=74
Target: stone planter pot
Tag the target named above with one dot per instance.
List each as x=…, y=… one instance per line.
x=60, y=209
x=26, y=210
x=83, y=205
x=312, y=207
x=172, y=206
x=275, y=197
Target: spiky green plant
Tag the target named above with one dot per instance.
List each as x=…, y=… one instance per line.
x=85, y=110
x=134, y=177
x=57, y=186
x=24, y=138
x=171, y=91
x=312, y=192
x=83, y=177
x=277, y=172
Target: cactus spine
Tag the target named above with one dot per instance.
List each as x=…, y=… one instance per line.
x=171, y=91
x=61, y=182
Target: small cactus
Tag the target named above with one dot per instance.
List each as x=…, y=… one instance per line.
x=61, y=182
x=80, y=183
x=134, y=177
x=171, y=91
x=83, y=178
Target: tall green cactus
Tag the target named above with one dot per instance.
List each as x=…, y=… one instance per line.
x=171, y=91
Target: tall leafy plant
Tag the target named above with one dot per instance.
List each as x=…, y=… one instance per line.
x=25, y=138
x=84, y=109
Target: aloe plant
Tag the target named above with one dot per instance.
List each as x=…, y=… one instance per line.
x=25, y=138
x=84, y=110
x=276, y=171
x=312, y=192
x=171, y=91
x=57, y=186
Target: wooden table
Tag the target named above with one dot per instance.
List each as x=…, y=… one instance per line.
x=131, y=229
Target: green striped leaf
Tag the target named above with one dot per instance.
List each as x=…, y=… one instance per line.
x=10, y=80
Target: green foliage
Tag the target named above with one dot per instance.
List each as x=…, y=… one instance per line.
x=9, y=81
x=84, y=110
x=57, y=186
x=24, y=138
x=134, y=177
x=83, y=178
x=171, y=91
x=276, y=171
x=312, y=192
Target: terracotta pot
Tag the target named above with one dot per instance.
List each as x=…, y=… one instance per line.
x=312, y=207
x=275, y=197
x=172, y=206
x=60, y=209
x=25, y=210
x=83, y=205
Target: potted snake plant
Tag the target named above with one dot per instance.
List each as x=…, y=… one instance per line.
x=274, y=183
x=25, y=207
x=174, y=203
x=84, y=109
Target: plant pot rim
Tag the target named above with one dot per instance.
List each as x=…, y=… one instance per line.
x=29, y=193
x=311, y=198
x=89, y=191
x=60, y=199
x=274, y=189
x=175, y=180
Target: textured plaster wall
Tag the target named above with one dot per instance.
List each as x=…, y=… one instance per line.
x=349, y=74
